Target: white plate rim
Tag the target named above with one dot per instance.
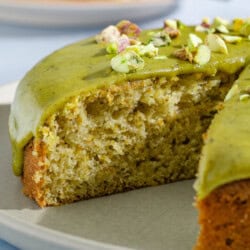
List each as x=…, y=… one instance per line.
x=42, y=234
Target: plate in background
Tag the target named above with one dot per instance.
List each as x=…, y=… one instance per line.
x=150, y=218
x=77, y=13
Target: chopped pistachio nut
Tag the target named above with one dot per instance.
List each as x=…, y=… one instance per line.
x=171, y=27
x=216, y=44
x=232, y=92
x=244, y=94
x=232, y=39
x=171, y=23
x=172, y=32
x=184, y=54
x=205, y=22
x=244, y=97
x=148, y=50
x=123, y=42
x=220, y=21
x=128, y=28
x=112, y=48
x=237, y=24
x=193, y=41
x=108, y=35
x=119, y=45
x=202, y=55
x=205, y=25
x=220, y=25
x=222, y=29
x=160, y=38
x=200, y=28
x=127, y=61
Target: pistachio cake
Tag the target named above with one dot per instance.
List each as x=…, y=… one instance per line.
x=129, y=109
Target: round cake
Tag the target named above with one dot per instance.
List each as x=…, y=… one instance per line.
x=130, y=108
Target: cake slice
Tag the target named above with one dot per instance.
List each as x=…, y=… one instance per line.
x=81, y=126
x=223, y=184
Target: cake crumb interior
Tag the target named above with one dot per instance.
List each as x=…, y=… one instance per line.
x=126, y=136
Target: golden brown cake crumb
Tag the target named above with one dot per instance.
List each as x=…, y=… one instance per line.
x=122, y=137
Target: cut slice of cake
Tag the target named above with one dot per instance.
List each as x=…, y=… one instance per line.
x=223, y=184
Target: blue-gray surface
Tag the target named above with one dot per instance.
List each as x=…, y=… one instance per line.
x=6, y=246
x=22, y=47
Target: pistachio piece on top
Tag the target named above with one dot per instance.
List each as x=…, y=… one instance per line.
x=184, y=54
x=160, y=38
x=216, y=44
x=119, y=45
x=244, y=94
x=244, y=97
x=108, y=35
x=172, y=32
x=206, y=22
x=171, y=28
x=220, y=25
x=126, y=62
x=128, y=28
x=204, y=26
x=200, y=28
x=112, y=48
x=222, y=29
x=148, y=50
x=220, y=21
x=202, y=55
x=193, y=41
x=231, y=39
x=171, y=23
x=237, y=23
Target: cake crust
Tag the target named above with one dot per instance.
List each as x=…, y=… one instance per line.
x=224, y=216
x=31, y=187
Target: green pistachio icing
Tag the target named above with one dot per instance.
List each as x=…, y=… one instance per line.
x=85, y=66
x=225, y=156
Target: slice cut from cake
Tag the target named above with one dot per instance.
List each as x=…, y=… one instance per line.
x=127, y=109
x=223, y=184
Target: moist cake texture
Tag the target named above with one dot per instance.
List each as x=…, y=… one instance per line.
x=125, y=137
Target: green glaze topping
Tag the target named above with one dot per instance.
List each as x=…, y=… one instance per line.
x=225, y=156
x=86, y=65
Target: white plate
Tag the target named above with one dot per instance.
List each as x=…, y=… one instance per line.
x=151, y=218
x=80, y=13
